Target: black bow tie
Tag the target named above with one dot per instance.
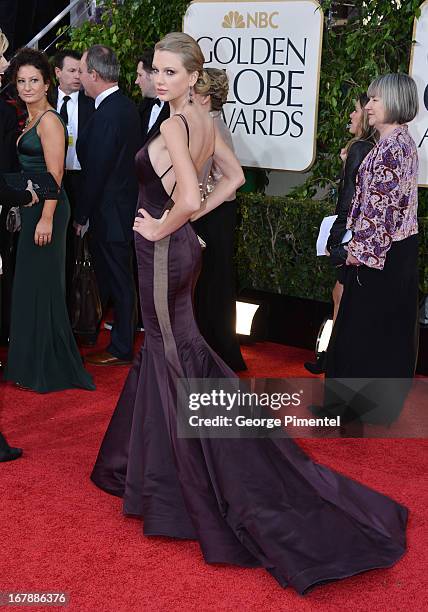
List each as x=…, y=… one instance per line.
x=157, y=101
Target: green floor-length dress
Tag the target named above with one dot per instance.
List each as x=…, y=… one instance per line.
x=43, y=354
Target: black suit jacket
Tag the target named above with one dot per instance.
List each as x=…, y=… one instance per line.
x=85, y=109
x=13, y=197
x=106, y=149
x=8, y=136
x=145, y=110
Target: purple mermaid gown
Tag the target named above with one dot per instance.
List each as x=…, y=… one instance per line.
x=249, y=502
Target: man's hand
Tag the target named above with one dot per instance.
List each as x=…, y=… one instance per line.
x=78, y=228
x=34, y=196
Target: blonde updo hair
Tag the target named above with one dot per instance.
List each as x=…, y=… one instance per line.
x=4, y=43
x=219, y=87
x=191, y=55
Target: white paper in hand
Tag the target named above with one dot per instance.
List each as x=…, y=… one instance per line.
x=324, y=233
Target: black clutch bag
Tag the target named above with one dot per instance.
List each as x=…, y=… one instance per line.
x=44, y=183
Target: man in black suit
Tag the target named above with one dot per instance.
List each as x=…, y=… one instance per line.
x=152, y=110
x=9, y=134
x=14, y=198
x=106, y=150
x=76, y=109
x=8, y=163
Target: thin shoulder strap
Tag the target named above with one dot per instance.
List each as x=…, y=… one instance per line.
x=188, y=142
x=50, y=110
x=186, y=126
x=213, y=138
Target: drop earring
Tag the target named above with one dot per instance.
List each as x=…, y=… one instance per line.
x=190, y=94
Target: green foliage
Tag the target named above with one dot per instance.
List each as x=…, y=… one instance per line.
x=129, y=28
x=276, y=246
x=376, y=42
x=276, y=241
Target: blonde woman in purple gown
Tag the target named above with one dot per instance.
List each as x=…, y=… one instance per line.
x=249, y=502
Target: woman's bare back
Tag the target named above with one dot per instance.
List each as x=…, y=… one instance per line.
x=201, y=145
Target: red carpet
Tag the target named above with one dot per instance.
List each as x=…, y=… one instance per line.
x=60, y=533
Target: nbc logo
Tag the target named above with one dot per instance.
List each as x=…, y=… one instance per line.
x=233, y=19
x=260, y=19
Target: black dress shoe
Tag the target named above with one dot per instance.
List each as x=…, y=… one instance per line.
x=319, y=366
x=104, y=358
x=10, y=454
x=89, y=340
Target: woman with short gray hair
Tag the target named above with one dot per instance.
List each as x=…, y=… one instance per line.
x=375, y=334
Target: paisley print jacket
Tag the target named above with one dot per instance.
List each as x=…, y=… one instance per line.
x=385, y=203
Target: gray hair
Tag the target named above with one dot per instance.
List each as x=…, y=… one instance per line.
x=103, y=60
x=399, y=95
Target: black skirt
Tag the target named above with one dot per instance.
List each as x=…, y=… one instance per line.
x=376, y=332
x=215, y=295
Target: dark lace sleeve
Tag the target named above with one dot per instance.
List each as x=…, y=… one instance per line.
x=357, y=152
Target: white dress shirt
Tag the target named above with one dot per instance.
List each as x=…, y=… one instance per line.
x=156, y=109
x=71, y=161
x=105, y=95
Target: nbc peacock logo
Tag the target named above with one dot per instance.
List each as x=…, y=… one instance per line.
x=233, y=19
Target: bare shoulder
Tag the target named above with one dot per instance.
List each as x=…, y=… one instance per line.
x=173, y=127
x=50, y=122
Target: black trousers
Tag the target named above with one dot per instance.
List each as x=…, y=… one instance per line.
x=114, y=272
x=8, y=244
x=72, y=186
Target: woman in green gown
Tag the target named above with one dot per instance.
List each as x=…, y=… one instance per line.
x=43, y=355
